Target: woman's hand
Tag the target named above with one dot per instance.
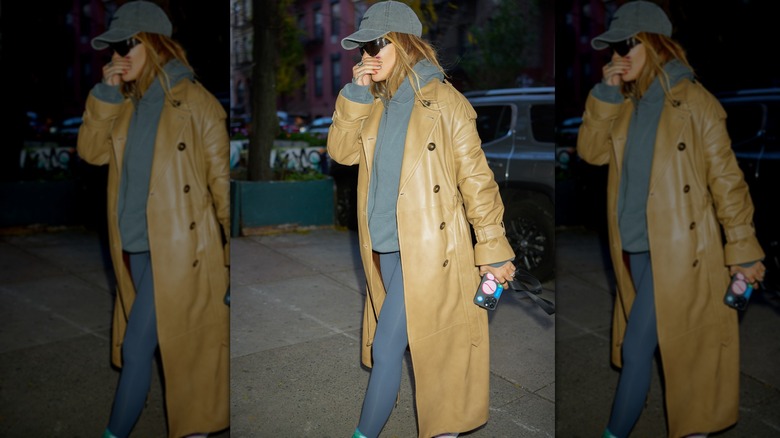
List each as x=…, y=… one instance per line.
x=503, y=274
x=362, y=71
x=615, y=69
x=753, y=274
x=113, y=71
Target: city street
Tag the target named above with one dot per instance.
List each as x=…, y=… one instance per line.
x=56, y=299
x=296, y=313
x=586, y=381
x=297, y=301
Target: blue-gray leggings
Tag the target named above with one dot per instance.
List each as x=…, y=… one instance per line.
x=390, y=343
x=138, y=350
x=639, y=344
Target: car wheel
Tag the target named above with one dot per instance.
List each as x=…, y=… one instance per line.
x=530, y=229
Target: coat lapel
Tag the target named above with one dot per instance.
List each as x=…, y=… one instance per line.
x=119, y=135
x=620, y=135
x=173, y=120
x=674, y=120
x=370, y=132
x=425, y=115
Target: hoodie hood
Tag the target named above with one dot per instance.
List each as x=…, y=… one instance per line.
x=426, y=71
x=677, y=71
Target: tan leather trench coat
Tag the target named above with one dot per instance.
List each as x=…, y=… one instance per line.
x=188, y=203
x=445, y=184
x=696, y=187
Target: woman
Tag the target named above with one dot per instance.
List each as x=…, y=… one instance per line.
x=673, y=183
x=422, y=178
x=164, y=139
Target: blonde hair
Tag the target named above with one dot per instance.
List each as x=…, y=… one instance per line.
x=159, y=50
x=659, y=50
x=409, y=50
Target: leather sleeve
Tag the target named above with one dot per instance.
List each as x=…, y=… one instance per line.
x=216, y=152
x=344, y=142
x=730, y=192
x=94, y=139
x=593, y=140
x=477, y=185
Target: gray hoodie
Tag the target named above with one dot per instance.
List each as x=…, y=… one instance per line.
x=638, y=157
x=388, y=155
x=139, y=151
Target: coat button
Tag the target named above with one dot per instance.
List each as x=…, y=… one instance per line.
x=192, y=226
x=441, y=227
x=426, y=103
x=195, y=264
x=182, y=146
x=681, y=147
x=696, y=263
x=693, y=225
x=446, y=262
x=176, y=103
x=186, y=188
x=436, y=188
x=431, y=146
x=687, y=188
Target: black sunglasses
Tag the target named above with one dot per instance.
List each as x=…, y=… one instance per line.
x=623, y=47
x=122, y=48
x=373, y=47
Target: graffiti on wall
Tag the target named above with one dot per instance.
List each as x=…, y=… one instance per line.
x=300, y=158
x=46, y=157
x=288, y=155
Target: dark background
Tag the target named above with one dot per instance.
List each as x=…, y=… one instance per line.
x=38, y=50
x=730, y=44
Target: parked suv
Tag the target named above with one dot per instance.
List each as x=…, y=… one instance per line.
x=517, y=129
x=753, y=124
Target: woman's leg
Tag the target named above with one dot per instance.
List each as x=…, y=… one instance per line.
x=639, y=346
x=138, y=350
x=390, y=344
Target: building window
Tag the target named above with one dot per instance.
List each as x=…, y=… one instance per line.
x=318, y=33
x=335, y=79
x=335, y=18
x=318, y=77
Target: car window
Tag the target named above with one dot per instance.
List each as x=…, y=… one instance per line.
x=543, y=123
x=744, y=121
x=493, y=121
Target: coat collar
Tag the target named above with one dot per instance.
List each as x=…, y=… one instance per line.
x=173, y=120
x=675, y=116
x=425, y=113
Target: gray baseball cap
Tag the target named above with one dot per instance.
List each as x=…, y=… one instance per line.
x=131, y=18
x=632, y=18
x=382, y=18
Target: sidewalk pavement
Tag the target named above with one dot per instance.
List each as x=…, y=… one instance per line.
x=296, y=313
x=56, y=299
x=586, y=381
